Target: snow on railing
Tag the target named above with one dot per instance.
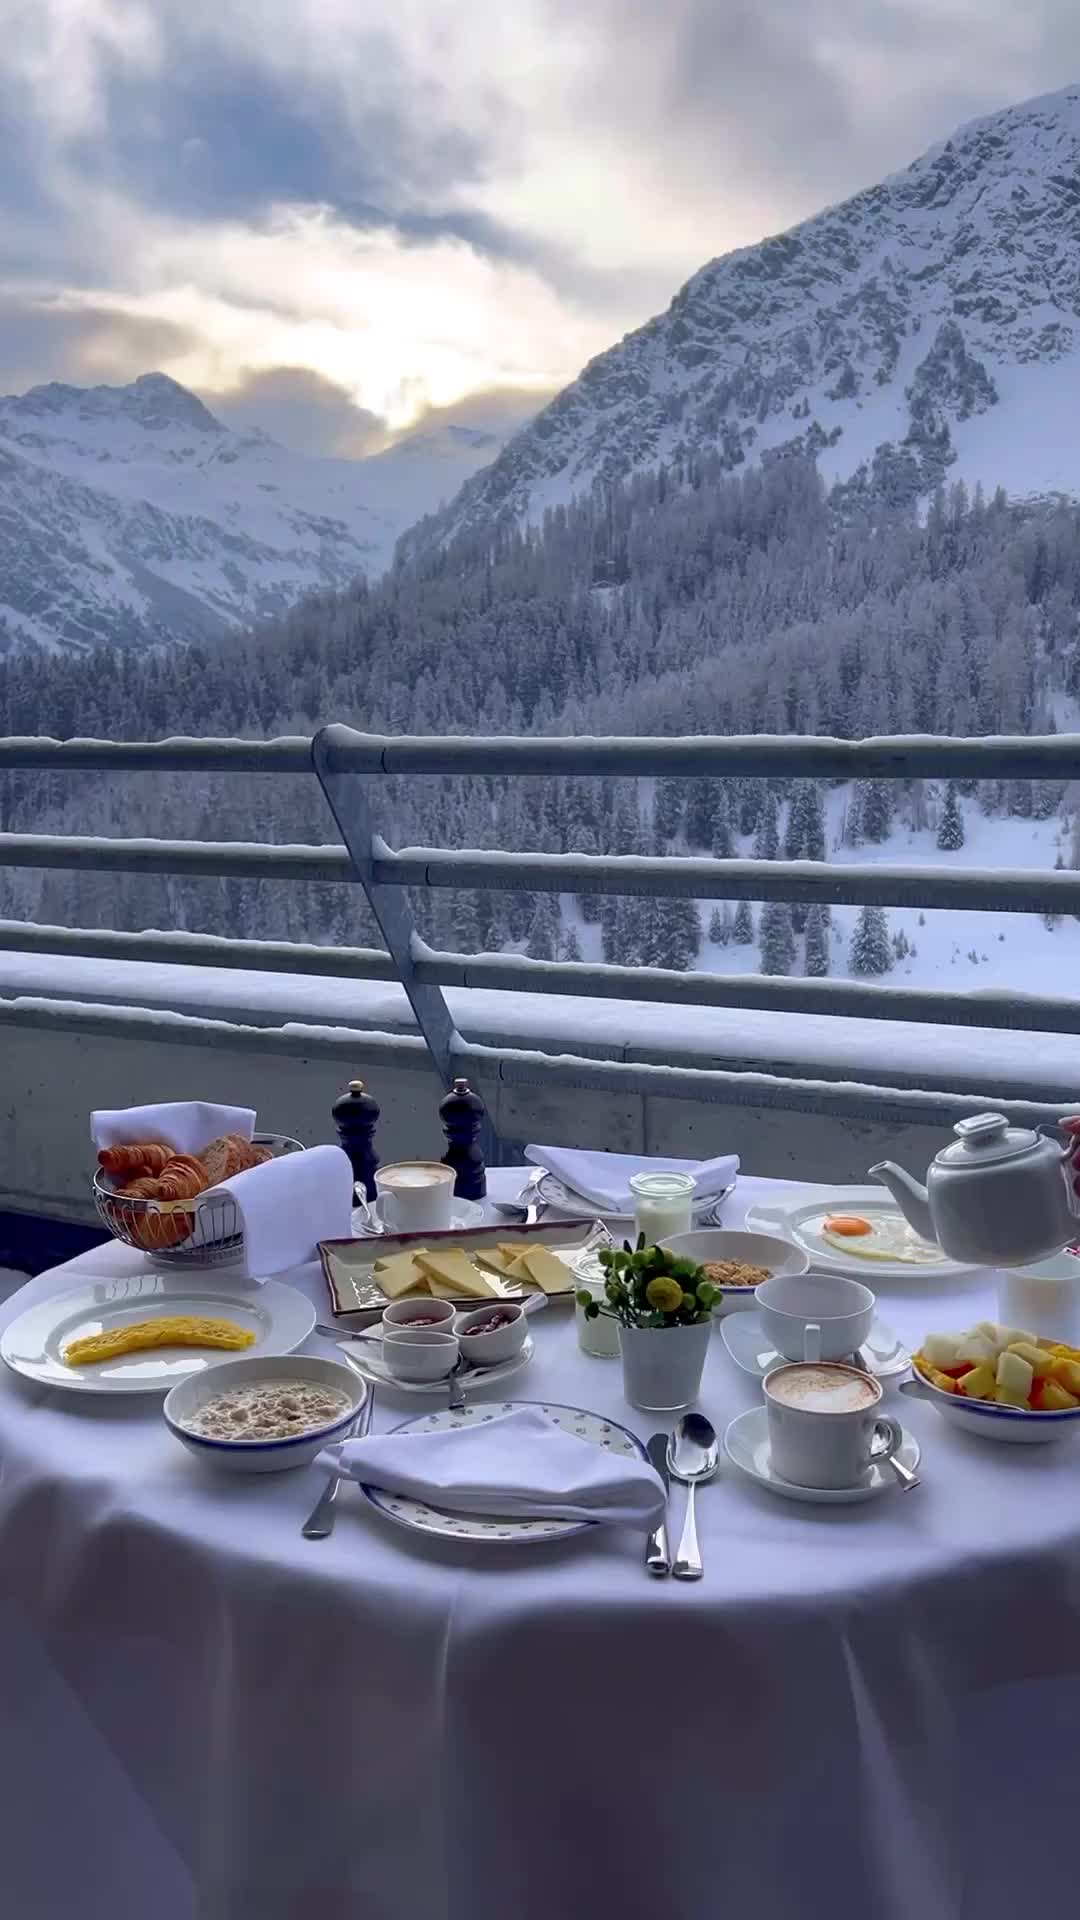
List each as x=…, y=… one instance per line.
x=349, y=765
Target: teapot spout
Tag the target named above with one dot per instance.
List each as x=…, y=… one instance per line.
x=910, y=1195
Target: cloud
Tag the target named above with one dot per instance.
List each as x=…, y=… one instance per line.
x=332, y=212
x=303, y=410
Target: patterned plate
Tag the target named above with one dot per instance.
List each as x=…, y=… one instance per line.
x=420, y=1518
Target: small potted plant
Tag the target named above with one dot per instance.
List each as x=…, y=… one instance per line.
x=663, y=1305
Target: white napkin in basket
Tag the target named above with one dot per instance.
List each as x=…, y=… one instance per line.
x=184, y=1125
x=288, y=1205
x=603, y=1179
x=518, y=1465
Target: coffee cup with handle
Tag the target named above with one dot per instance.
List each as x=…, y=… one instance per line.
x=815, y=1316
x=416, y=1196
x=825, y=1424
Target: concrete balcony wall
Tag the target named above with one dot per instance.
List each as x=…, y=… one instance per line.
x=61, y=1060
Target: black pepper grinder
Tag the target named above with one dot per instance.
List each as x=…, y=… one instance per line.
x=463, y=1114
x=355, y=1115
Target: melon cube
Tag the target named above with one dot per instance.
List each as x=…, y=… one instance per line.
x=1037, y=1358
x=1012, y=1397
x=1014, y=1375
x=939, y=1349
x=975, y=1348
x=1013, y=1336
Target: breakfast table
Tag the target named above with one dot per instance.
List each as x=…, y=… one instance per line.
x=858, y=1710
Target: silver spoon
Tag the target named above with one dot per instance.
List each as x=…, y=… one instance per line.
x=319, y=1524
x=693, y=1455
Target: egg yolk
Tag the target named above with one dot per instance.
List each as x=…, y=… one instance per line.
x=849, y=1225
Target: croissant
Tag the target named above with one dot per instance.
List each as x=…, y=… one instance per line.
x=144, y=1156
x=144, y=1188
x=182, y=1179
x=152, y=1231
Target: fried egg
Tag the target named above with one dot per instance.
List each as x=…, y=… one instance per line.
x=877, y=1236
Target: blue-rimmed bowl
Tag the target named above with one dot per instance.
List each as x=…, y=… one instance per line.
x=261, y=1456
x=991, y=1422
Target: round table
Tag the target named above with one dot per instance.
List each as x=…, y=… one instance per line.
x=865, y=1710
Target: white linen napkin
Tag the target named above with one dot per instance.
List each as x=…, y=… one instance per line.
x=519, y=1465
x=184, y=1125
x=288, y=1205
x=603, y=1179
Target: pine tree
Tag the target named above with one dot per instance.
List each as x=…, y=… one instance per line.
x=723, y=844
x=813, y=823
x=817, y=945
x=667, y=807
x=702, y=800
x=609, y=930
x=571, y=945
x=795, y=837
x=720, y=925
x=951, y=830
x=545, y=928
x=767, y=836
x=776, y=939
x=875, y=817
x=871, y=949
x=742, y=931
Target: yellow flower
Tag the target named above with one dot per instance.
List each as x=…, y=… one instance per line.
x=664, y=1295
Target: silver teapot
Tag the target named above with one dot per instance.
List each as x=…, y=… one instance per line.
x=996, y=1196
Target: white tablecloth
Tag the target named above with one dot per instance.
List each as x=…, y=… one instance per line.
x=872, y=1710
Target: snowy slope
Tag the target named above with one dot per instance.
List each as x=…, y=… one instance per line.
x=132, y=514
x=934, y=314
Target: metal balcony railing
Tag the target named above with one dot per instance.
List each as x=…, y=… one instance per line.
x=349, y=767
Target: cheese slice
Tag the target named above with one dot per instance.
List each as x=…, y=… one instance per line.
x=399, y=1275
x=453, y=1270
x=496, y=1262
x=552, y=1275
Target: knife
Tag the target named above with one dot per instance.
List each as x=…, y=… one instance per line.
x=657, y=1556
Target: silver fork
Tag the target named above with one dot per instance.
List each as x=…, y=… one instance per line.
x=319, y=1524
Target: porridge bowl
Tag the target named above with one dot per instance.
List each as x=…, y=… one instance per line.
x=262, y=1415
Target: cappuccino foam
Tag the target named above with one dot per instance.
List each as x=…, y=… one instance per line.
x=430, y=1175
x=822, y=1390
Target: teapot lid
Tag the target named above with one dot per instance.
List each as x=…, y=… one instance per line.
x=983, y=1140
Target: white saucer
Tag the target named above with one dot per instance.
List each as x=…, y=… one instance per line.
x=881, y=1355
x=365, y=1355
x=746, y=1443
x=467, y=1214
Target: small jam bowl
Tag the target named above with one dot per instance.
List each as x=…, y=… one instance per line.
x=488, y=1349
x=438, y=1314
x=419, y=1353
x=262, y=1456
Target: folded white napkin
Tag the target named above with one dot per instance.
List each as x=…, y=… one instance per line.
x=603, y=1179
x=185, y=1125
x=288, y=1205
x=519, y=1465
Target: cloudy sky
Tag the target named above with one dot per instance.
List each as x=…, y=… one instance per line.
x=335, y=216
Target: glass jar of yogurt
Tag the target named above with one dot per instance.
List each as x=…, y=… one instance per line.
x=663, y=1205
x=599, y=1336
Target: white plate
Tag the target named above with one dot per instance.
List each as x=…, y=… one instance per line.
x=551, y=1192
x=752, y=1350
x=365, y=1355
x=800, y=1220
x=278, y=1316
x=421, y=1518
x=746, y=1443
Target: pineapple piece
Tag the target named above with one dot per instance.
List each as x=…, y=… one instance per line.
x=941, y=1380
x=1014, y=1376
x=1053, y=1397
x=978, y=1382
x=939, y=1349
x=1012, y=1397
x=1037, y=1358
x=1067, y=1374
x=976, y=1348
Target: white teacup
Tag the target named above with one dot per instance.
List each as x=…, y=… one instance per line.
x=815, y=1316
x=825, y=1428
x=416, y=1196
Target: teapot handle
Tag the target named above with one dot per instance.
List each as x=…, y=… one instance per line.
x=1070, y=1127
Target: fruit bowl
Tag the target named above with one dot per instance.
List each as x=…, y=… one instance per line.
x=1016, y=1425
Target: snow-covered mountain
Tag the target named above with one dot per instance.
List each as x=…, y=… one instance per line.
x=132, y=514
x=928, y=327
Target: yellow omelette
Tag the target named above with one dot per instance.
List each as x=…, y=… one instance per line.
x=183, y=1330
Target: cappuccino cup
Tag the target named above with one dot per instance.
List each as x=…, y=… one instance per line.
x=815, y=1316
x=825, y=1428
x=416, y=1196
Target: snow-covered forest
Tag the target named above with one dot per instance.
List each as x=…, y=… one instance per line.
x=687, y=600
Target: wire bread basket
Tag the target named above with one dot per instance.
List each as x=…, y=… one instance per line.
x=201, y=1232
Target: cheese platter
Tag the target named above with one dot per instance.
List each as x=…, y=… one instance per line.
x=486, y=1263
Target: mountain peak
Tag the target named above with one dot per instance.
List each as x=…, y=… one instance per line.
x=153, y=400
x=924, y=328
